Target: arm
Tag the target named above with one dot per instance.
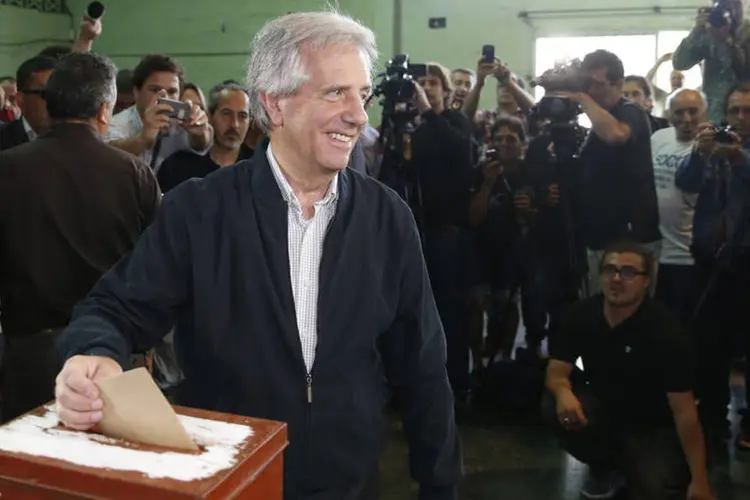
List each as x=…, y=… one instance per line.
x=471, y=103
x=452, y=135
x=201, y=140
x=90, y=29
x=603, y=124
x=692, y=50
x=480, y=204
x=691, y=436
x=524, y=100
x=136, y=302
x=557, y=379
x=415, y=349
x=689, y=175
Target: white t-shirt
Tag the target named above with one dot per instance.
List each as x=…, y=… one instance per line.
x=676, y=208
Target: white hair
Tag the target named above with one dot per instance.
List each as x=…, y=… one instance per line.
x=276, y=66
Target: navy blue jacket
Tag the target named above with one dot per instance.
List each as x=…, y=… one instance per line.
x=723, y=190
x=215, y=261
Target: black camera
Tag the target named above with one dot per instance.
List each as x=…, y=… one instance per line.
x=723, y=133
x=564, y=77
x=721, y=13
x=396, y=83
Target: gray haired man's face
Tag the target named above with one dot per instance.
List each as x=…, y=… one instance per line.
x=321, y=122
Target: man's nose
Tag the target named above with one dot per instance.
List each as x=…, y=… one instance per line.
x=356, y=113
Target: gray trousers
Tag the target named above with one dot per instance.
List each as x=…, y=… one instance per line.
x=652, y=460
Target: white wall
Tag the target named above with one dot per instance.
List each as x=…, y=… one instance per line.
x=473, y=23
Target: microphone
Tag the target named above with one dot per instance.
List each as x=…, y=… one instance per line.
x=95, y=10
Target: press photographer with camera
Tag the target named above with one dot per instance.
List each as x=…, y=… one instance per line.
x=431, y=169
x=719, y=171
x=512, y=98
x=720, y=40
x=521, y=242
x=617, y=192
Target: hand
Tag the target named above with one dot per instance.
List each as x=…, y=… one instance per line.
x=569, y=412
x=492, y=170
x=522, y=202
x=78, y=403
x=705, y=139
x=420, y=98
x=553, y=195
x=484, y=69
x=701, y=20
x=501, y=71
x=155, y=120
x=90, y=29
x=198, y=121
x=666, y=57
x=732, y=150
x=699, y=491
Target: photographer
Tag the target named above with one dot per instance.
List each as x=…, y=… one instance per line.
x=440, y=167
x=719, y=171
x=521, y=239
x=617, y=189
x=512, y=98
x=721, y=40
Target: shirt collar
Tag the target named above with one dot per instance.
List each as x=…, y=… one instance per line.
x=286, y=190
x=29, y=131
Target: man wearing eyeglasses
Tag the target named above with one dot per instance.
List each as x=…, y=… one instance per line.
x=635, y=420
x=31, y=78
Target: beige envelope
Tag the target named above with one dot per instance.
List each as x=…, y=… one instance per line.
x=136, y=410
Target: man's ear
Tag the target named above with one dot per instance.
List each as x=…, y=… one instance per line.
x=274, y=108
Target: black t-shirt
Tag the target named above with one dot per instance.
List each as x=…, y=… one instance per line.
x=185, y=165
x=617, y=184
x=657, y=123
x=632, y=366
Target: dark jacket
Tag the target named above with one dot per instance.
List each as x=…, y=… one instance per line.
x=723, y=200
x=216, y=262
x=12, y=134
x=70, y=208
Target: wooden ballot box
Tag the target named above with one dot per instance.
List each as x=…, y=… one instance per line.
x=240, y=458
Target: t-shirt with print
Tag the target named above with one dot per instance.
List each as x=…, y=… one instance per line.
x=676, y=207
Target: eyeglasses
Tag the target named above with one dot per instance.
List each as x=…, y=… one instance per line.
x=625, y=272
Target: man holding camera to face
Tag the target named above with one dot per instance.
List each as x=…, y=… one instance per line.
x=721, y=41
x=157, y=126
x=719, y=170
x=617, y=191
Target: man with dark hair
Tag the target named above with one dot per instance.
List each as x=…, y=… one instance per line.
x=229, y=115
x=31, y=77
x=617, y=191
x=718, y=170
x=145, y=129
x=70, y=208
x=637, y=89
x=125, y=97
x=636, y=414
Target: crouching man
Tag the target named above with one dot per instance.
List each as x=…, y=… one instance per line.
x=631, y=417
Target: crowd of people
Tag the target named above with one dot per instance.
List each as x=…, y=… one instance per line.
x=275, y=255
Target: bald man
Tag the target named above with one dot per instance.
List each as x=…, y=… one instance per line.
x=669, y=147
x=676, y=82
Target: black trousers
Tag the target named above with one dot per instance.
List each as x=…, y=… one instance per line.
x=29, y=367
x=652, y=460
x=367, y=489
x=720, y=334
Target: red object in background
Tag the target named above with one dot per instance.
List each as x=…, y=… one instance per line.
x=6, y=115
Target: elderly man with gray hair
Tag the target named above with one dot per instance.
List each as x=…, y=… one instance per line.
x=297, y=285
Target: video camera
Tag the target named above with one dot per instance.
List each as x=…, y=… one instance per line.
x=563, y=77
x=395, y=84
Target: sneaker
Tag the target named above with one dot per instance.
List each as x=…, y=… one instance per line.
x=601, y=486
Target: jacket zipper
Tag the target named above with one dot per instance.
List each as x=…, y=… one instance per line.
x=308, y=379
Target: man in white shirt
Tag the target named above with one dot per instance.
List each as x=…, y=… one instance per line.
x=669, y=147
x=144, y=129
